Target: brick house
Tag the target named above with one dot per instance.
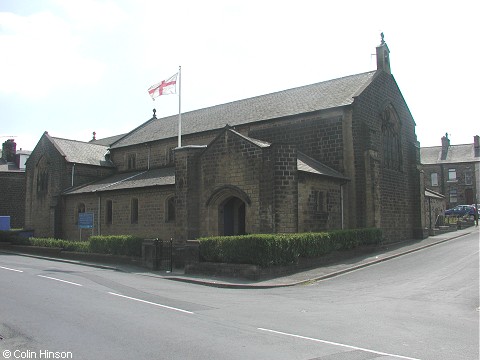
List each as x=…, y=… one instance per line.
x=12, y=183
x=453, y=170
x=336, y=154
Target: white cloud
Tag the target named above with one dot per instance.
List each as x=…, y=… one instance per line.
x=41, y=54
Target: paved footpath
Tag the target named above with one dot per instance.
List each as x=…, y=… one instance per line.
x=336, y=268
x=327, y=271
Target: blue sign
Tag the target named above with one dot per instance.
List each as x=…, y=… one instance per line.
x=85, y=220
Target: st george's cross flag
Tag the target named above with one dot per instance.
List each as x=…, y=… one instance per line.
x=165, y=87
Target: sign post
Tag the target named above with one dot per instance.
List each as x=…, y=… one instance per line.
x=85, y=221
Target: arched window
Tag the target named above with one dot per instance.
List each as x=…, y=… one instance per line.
x=170, y=209
x=391, y=130
x=109, y=212
x=134, y=211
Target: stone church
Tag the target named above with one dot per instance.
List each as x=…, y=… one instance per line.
x=339, y=154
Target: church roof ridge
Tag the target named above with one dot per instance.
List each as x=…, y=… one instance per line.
x=307, y=98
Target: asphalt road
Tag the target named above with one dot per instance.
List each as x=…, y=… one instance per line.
x=419, y=306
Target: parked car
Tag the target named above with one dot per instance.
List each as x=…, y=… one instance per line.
x=461, y=210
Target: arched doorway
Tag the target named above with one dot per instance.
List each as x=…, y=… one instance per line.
x=231, y=217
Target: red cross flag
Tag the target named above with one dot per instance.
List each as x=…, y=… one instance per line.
x=165, y=87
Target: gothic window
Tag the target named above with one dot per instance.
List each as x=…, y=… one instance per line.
x=42, y=176
x=131, y=160
x=320, y=201
x=391, y=129
x=170, y=155
x=109, y=212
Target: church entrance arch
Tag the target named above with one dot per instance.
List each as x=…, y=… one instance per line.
x=231, y=215
x=227, y=208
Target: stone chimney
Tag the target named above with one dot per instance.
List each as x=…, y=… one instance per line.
x=445, y=146
x=476, y=145
x=383, y=56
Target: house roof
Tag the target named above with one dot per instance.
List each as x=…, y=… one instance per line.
x=130, y=180
x=309, y=98
x=307, y=164
x=456, y=154
x=79, y=152
x=9, y=166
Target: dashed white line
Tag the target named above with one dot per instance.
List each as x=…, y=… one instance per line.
x=152, y=303
x=64, y=281
x=6, y=268
x=338, y=344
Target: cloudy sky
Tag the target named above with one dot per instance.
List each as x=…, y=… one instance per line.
x=71, y=67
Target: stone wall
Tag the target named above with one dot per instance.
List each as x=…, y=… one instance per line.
x=152, y=209
x=385, y=197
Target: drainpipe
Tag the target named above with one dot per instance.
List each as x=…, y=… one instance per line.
x=341, y=204
x=73, y=172
x=99, y=213
x=148, y=159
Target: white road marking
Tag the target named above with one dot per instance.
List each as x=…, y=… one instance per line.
x=2, y=267
x=64, y=281
x=151, y=303
x=338, y=344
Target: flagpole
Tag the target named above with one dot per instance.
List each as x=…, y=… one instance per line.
x=179, y=107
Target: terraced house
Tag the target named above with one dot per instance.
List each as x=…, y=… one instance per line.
x=336, y=154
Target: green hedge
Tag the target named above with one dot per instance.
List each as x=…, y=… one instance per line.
x=116, y=245
x=283, y=249
x=78, y=246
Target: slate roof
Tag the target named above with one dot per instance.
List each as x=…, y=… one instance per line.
x=314, y=97
x=456, y=154
x=107, y=141
x=304, y=162
x=9, y=166
x=79, y=152
x=307, y=164
x=433, y=194
x=130, y=180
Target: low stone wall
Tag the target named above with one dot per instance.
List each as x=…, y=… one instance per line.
x=255, y=272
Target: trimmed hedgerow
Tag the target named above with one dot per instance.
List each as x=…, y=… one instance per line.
x=283, y=249
x=116, y=245
x=78, y=246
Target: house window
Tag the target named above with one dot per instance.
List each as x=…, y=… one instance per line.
x=468, y=177
x=109, y=212
x=170, y=208
x=131, y=161
x=453, y=195
x=134, y=211
x=452, y=175
x=434, y=179
x=391, y=125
